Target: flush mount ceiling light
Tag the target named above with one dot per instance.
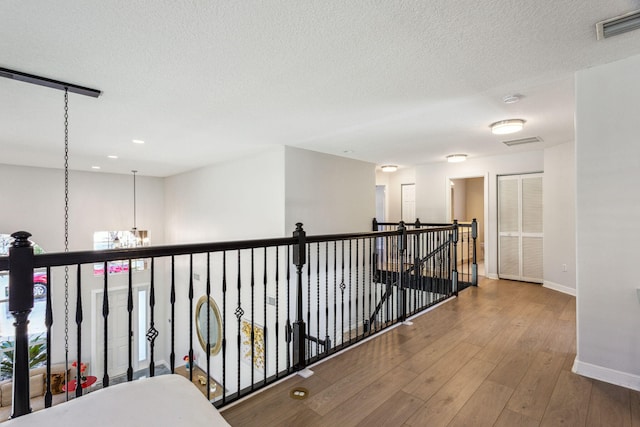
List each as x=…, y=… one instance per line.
x=456, y=158
x=137, y=141
x=504, y=127
x=389, y=168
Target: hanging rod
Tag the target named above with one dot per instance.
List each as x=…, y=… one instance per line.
x=43, y=81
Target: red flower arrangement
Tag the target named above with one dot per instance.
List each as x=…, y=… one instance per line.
x=83, y=369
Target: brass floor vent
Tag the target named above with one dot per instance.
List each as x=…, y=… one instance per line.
x=299, y=393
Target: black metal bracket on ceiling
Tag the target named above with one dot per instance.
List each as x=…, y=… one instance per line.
x=43, y=81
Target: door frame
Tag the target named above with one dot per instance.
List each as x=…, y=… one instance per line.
x=487, y=229
x=97, y=312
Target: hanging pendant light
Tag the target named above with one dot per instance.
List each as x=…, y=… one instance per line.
x=134, y=230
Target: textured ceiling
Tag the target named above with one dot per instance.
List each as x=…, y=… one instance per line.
x=404, y=82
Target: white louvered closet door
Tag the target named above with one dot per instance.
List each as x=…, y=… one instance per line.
x=520, y=228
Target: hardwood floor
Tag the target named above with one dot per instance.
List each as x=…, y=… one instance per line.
x=498, y=355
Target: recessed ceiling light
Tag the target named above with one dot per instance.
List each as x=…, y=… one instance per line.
x=504, y=127
x=112, y=156
x=456, y=158
x=348, y=151
x=137, y=141
x=389, y=168
x=95, y=167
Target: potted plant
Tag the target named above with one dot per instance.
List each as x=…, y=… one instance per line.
x=37, y=355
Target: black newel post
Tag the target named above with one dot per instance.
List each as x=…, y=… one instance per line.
x=299, y=259
x=20, y=305
x=454, y=273
x=374, y=225
x=402, y=291
x=474, y=266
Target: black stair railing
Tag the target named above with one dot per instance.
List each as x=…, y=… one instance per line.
x=344, y=288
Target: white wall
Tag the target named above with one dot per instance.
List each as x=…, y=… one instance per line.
x=608, y=213
x=559, y=218
x=433, y=195
x=241, y=199
x=328, y=194
x=32, y=199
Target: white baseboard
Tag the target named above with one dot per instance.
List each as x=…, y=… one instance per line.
x=491, y=276
x=607, y=375
x=559, y=288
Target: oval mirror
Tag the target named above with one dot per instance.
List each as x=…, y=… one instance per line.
x=208, y=306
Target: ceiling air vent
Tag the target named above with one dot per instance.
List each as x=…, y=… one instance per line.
x=618, y=25
x=521, y=141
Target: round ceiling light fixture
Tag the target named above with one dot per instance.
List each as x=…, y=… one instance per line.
x=456, y=158
x=389, y=168
x=504, y=127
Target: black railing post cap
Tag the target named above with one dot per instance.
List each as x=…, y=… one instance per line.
x=21, y=239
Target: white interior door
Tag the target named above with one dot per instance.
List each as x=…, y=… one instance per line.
x=408, y=212
x=520, y=227
x=118, y=332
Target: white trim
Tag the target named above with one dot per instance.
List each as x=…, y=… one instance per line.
x=490, y=275
x=611, y=376
x=560, y=288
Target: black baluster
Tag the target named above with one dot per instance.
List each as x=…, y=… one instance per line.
x=357, y=266
x=105, y=319
x=402, y=291
x=191, y=317
x=288, y=326
x=224, y=327
x=277, y=326
x=317, y=299
x=335, y=290
x=349, y=293
x=130, y=313
x=342, y=288
x=172, y=299
x=264, y=312
x=79, y=330
x=365, y=321
x=308, y=353
x=152, y=332
x=252, y=335
x=48, y=321
x=474, y=235
x=208, y=351
x=239, y=313
x=454, y=273
x=326, y=297
x=371, y=243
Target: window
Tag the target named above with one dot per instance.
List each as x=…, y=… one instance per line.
x=103, y=240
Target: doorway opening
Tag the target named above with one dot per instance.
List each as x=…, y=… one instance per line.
x=467, y=197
